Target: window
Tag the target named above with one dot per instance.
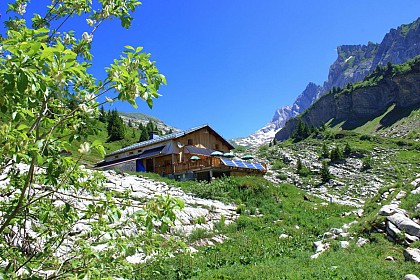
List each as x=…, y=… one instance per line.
x=116, y=156
x=190, y=142
x=131, y=153
x=216, y=146
x=139, y=151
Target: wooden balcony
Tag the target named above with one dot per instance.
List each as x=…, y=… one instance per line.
x=201, y=165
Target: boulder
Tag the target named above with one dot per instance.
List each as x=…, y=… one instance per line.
x=412, y=254
x=344, y=244
x=362, y=241
x=404, y=223
x=416, y=183
x=391, y=209
x=392, y=231
x=411, y=277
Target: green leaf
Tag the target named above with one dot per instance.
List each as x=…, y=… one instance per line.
x=22, y=82
x=39, y=158
x=22, y=127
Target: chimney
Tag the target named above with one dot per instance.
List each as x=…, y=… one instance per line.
x=153, y=135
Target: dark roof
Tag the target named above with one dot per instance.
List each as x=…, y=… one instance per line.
x=145, y=154
x=167, y=137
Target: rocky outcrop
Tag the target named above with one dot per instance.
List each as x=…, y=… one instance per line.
x=361, y=104
x=412, y=254
x=353, y=63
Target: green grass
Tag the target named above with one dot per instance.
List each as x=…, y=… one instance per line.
x=102, y=135
x=254, y=250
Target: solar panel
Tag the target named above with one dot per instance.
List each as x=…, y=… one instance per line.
x=242, y=164
x=259, y=166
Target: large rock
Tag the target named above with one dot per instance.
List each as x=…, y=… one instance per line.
x=391, y=209
x=404, y=223
x=411, y=277
x=412, y=254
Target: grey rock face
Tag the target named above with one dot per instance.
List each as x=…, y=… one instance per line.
x=406, y=224
x=353, y=63
x=361, y=103
x=412, y=254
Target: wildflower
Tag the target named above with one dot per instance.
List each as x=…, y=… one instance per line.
x=21, y=9
x=85, y=108
x=84, y=148
x=90, y=22
x=86, y=37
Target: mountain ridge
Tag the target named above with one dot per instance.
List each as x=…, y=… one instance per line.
x=353, y=63
x=355, y=105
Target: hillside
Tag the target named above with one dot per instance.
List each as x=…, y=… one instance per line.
x=334, y=227
x=137, y=118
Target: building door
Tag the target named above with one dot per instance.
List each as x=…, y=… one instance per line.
x=149, y=165
x=140, y=166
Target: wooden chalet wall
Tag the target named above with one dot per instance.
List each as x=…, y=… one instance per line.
x=201, y=138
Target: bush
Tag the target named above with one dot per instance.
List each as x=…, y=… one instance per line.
x=281, y=176
x=336, y=154
x=325, y=172
x=367, y=163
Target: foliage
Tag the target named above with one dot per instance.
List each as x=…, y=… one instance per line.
x=48, y=101
x=116, y=128
x=302, y=169
x=367, y=163
x=302, y=130
x=347, y=149
x=325, y=172
x=325, y=152
x=336, y=154
x=146, y=131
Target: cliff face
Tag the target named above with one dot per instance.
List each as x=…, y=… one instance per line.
x=353, y=63
x=364, y=103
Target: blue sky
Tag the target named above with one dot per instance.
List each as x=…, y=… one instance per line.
x=231, y=63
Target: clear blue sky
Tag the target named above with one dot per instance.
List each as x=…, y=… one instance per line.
x=231, y=63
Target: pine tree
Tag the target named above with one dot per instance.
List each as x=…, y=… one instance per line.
x=325, y=153
x=325, y=172
x=347, y=149
x=116, y=127
x=144, y=136
x=130, y=123
x=336, y=154
x=299, y=166
x=302, y=130
x=102, y=115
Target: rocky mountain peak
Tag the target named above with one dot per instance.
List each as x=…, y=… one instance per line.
x=353, y=63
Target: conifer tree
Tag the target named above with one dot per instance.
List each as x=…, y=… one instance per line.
x=144, y=136
x=325, y=153
x=325, y=172
x=102, y=115
x=116, y=127
x=347, y=149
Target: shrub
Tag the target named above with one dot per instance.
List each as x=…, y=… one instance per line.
x=336, y=154
x=281, y=176
x=367, y=163
x=325, y=172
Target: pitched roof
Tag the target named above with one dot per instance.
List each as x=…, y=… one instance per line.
x=167, y=137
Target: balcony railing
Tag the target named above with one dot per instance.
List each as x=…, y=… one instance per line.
x=195, y=165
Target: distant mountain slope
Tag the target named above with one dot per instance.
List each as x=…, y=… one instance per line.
x=137, y=118
x=392, y=92
x=353, y=63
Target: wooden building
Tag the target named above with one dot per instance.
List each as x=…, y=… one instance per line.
x=194, y=153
